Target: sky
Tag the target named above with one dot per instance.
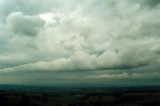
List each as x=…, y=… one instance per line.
x=67, y=42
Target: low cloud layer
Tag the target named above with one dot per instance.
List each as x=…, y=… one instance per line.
x=70, y=38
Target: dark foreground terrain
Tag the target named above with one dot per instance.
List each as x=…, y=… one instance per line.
x=120, y=96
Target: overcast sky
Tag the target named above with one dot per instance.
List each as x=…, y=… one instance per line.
x=52, y=42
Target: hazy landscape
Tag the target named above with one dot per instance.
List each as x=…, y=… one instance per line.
x=57, y=96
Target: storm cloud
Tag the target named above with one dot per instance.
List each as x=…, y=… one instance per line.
x=79, y=40
x=24, y=25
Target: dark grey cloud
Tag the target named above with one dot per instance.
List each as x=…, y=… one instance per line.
x=150, y=29
x=24, y=25
x=152, y=3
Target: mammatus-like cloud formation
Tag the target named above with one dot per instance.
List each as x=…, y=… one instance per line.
x=79, y=41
